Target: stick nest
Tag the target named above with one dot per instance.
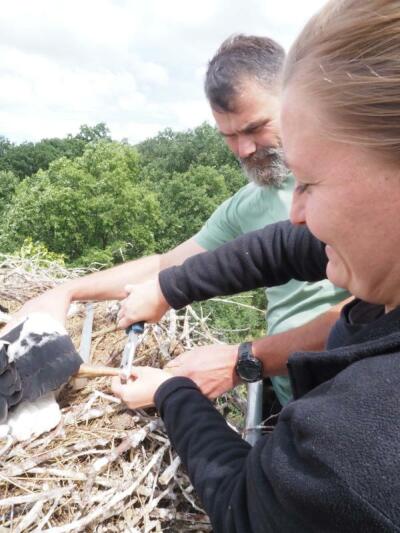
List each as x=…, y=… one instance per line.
x=104, y=468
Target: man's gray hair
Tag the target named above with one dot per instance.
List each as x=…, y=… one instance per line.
x=239, y=58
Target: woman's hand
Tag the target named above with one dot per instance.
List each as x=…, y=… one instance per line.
x=140, y=389
x=145, y=302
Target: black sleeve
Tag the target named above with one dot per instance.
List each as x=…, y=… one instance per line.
x=213, y=472
x=228, y=475
x=287, y=482
x=271, y=256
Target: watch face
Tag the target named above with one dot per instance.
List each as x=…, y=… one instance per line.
x=250, y=370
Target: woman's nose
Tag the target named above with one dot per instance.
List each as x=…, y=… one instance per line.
x=297, y=210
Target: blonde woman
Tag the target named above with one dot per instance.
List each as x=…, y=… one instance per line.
x=333, y=461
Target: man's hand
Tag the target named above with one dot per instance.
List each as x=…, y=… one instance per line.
x=140, y=389
x=145, y=302
x=54, y=302
x=211, y=367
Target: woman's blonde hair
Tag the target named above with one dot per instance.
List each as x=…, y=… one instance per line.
x=348, y=55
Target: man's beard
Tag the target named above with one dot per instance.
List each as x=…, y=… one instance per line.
x=265, y=167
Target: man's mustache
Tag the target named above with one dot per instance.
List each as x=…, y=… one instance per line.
x=260, y=154
x=265, y=166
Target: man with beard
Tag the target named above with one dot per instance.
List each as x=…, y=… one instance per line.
x=242, y=85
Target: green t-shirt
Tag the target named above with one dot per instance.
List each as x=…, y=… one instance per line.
x=290, y=305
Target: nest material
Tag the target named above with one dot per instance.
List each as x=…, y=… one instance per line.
x=104, y=468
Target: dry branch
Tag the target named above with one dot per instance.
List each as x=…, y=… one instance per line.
x=103, y=468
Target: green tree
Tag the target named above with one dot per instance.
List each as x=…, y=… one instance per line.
x=193, y=172
x=233, y=177
x=5, y=145
x=94, y=202
x=171, y=151
x=8, y=184
x=94, y=133
x=27, y=158
x=187, y=200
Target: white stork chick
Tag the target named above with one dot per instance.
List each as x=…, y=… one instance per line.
x=36, y=357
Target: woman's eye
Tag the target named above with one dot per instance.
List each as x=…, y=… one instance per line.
x=302, y=187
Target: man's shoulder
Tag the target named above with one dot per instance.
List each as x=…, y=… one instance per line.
x=251, y=208
x=249, y=190
x=254, y=207
x=254, y=196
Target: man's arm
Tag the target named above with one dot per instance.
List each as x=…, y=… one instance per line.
x=265, y=258
x=110, y=284
x=107, y=284
x=275, y=350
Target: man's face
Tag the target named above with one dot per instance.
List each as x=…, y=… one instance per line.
x=252, y=133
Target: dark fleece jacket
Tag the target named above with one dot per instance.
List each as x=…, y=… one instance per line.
x=332, y=463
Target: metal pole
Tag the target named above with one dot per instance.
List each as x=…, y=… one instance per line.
x=254, y=412
x=84, y=347
x=86, y=337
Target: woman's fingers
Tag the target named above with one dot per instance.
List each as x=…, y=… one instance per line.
x=140, y=389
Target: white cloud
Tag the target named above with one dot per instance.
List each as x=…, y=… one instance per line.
x=138, y=66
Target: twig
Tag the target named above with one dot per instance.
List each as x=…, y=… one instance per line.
x=109, y=508
x=30, y=498
x=48, y=515
x=170, y=472
x=238, y=304
x=30, y=517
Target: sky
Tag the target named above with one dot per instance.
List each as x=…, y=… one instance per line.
x=137, y=65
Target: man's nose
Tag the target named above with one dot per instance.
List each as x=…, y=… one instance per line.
x=297, y=210
x=246, y=146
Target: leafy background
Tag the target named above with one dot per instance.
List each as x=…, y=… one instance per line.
x=87, y=199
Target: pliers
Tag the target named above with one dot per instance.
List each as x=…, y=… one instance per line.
x=134, y=331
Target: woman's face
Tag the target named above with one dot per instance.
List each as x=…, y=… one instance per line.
x=348, y=197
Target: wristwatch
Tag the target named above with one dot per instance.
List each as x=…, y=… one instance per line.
x=248, y=367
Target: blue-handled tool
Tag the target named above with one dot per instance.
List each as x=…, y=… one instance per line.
x=134, y=331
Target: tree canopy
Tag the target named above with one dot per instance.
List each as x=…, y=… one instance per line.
x=93, y=199
x=85, y=198
x=79, y=207
x=27, y=158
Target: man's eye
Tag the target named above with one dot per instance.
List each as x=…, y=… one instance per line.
x=257, y=129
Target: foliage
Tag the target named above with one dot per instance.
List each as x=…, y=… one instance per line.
x=187, y=201
x=8, y=184
x=5, y=145
x=236, y=318
x=188, y=173
x=27, y=158
x=89, y=203
x=171, y=151
x=192, y=172
x=80, y=197
x=38, y=250
x=95, y=133
x=85, y=199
